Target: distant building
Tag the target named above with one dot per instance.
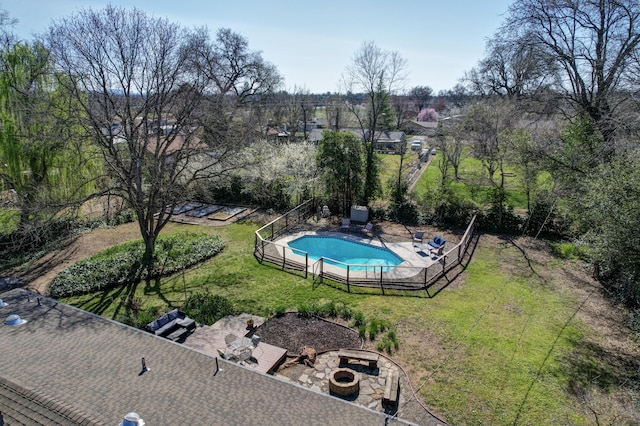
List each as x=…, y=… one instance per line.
x=422, y=128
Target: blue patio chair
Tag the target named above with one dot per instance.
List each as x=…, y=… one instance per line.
x=437, y=242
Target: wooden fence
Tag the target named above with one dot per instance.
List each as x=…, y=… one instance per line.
x=382, y=277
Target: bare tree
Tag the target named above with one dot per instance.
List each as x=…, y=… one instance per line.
x=300, y=108
x=235, y=78
x=457, y=96
x=593, y=43
x=422, y=96
x=450, y=136
x=7, y=38
x=492, y=130
x=143, y=84
x=335, y=108
x=512, y=68
x=402, y=109
x=378, y=74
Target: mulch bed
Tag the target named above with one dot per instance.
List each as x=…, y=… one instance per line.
x=293, y=332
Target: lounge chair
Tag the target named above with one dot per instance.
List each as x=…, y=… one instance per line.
x=368, y=229
x=437, y=242
x=346, y=224
x=418, y=237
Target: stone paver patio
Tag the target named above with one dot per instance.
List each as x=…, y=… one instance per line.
x=372, y=386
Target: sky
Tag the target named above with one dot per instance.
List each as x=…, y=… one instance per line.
x=312, y=43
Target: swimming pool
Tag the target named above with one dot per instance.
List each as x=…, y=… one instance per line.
x=346, y=252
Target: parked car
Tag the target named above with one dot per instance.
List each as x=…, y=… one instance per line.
x=416, y=145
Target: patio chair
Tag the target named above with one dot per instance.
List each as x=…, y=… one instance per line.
x=418, y=237
x=437, y=242
x=230, y=338
x=436, y=252
x=325, y=211
x=346, y=224
x=368, y=229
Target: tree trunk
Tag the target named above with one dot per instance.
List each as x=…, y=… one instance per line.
x=148, y=258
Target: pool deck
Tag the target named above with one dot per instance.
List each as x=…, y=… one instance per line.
x=415, y=259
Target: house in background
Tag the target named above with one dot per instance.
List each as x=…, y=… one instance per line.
x=384, y=141
x=421, y=128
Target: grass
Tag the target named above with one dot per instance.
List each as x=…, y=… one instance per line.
x=388, y=168
x=474, y=183
x=506, y=327
x=500, y=346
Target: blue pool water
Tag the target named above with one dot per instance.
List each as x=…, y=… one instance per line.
x=345, y=251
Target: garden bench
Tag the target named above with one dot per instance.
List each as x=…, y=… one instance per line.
x=345, y=355
x=170, y=322
x=391, y=388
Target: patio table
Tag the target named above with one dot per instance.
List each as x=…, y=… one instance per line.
x=241, y=348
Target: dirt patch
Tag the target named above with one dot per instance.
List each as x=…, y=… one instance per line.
x=38, y=274
x=293, y=332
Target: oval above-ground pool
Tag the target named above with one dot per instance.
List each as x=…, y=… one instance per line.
x=346, y=252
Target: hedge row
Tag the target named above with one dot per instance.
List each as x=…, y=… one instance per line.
x=122, y=264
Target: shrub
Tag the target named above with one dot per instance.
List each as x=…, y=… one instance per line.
x=495, y=220
x=329, y=309
x=31, y=240
x=567, y=250
x=542, y=219
x=345, y=312
x=207, y=308
x=388, y=343
x=633, y=321
x=280, y=310
x=376, y=326
x=358, y=318
x=122, y=264
x=307, y=309
x=362, y=331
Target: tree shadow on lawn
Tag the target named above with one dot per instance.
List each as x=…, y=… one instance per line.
x=591, y=365
x=153, y=286
x=101, y=301
x=606, y=383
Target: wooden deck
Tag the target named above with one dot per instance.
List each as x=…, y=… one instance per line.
x=265, y=357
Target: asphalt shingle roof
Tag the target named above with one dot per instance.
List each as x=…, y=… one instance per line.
x=67, y=366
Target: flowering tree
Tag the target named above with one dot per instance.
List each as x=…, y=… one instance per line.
x=428, y=114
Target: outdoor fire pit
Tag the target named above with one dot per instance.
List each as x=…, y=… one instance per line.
x=344, y=382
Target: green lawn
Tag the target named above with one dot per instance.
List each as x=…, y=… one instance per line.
x=498, y=346
x=474, y=184
x=388, y=168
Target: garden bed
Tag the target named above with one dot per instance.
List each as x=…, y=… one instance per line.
x=293, y=332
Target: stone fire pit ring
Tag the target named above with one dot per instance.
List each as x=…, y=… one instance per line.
x=344, y=382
